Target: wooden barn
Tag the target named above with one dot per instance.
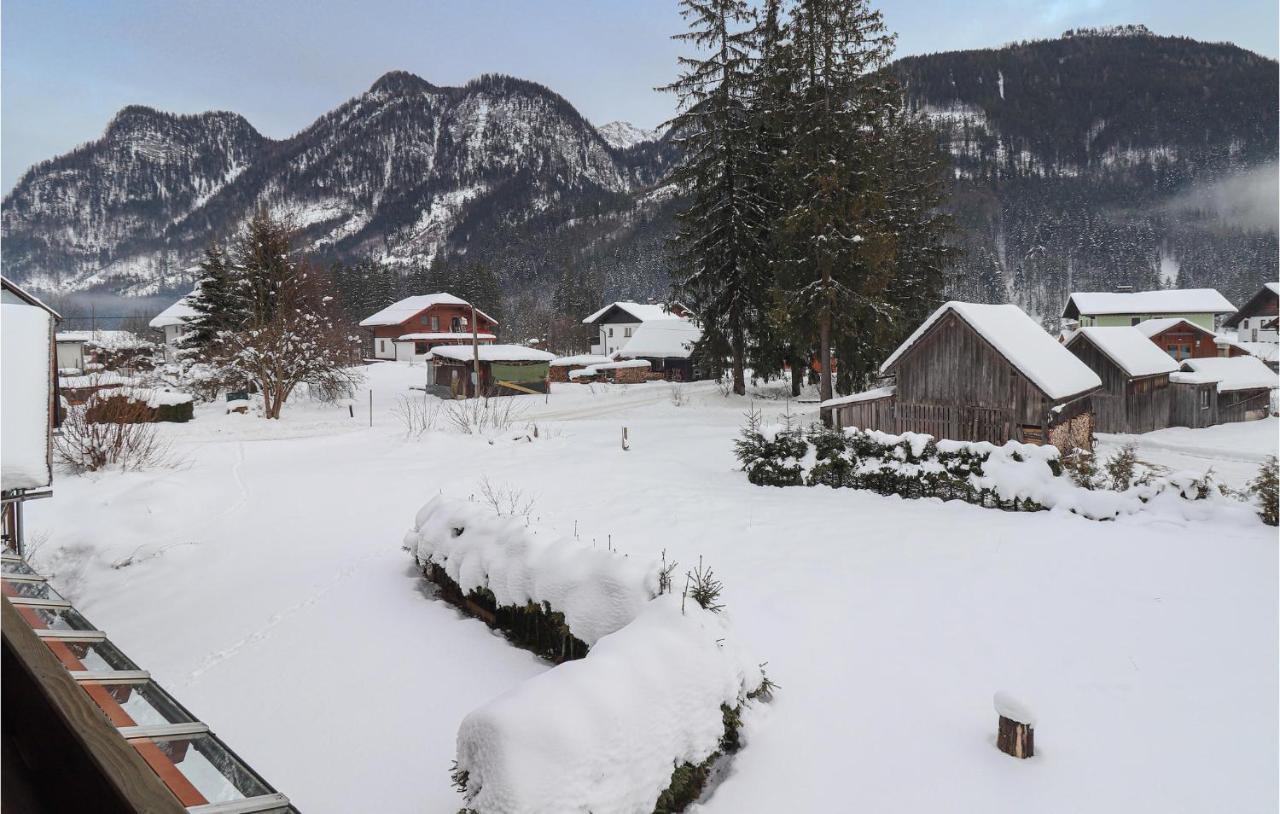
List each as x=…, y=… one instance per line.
x=505, y=370
x=1244, y=386
x=1135, y=394
x=975, y=372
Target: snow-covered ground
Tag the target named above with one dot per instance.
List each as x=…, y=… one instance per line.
x=267, y=589
x=1234, y=451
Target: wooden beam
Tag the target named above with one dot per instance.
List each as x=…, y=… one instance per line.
x=102, y=760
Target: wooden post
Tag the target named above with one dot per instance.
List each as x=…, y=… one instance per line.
x=1016, y=733
x=626, y=444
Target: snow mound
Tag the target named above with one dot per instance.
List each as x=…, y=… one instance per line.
x=598, y=591
x=602, y=734
x=1009, y=707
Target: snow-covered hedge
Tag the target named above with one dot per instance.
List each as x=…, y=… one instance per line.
x=636, y=724
x=613, y=732
x=596, y=590
x=1012, y=476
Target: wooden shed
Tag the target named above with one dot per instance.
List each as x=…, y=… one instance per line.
x=1244, y=385
x=505, y=370
x=976, y=372
x=563, y=366
x=1135, y=394
x=1193, y=400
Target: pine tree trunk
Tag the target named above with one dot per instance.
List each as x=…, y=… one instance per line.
x=824, y=355
x=739, y=365
x=797, y=376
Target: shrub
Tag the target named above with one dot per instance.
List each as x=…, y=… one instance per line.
x=1122, y=467
x=106, y=432
x=1081, y=466
x=1264, y=489
x=772, y=461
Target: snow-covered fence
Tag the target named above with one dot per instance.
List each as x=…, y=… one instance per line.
x=1013, y=476
x=636, y=724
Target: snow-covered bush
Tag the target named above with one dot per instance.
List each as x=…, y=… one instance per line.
x=1013, y=476
x=488, y=416
x=637, y=720
x=771, y=458
x=633, y=727
x=417, y=416
x=596, y=590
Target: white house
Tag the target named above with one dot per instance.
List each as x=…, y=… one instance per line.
x=173, y=323
x=618, y=321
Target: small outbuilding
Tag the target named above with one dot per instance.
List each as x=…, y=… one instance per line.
x=1244, y=386
x=505, y=370
x=667, y=345
x=1135, y=395
x=977, y=372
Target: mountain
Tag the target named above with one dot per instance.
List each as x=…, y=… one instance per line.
x=622, y=135
x=1103, y=158
x=406, y=172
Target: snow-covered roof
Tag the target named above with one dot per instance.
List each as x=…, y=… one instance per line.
x=1266, y=351
x=667, y=338
x=179, y=313
x=1170, y=301
x=580, y=359
x=13, y=291
x=492, y=353
x=112, y=340
x=1129, y=349
x=643, y=312
x=1234, y=373
x=1273, y=287
x=1151, y=327
x=406, y=309
x=1017, y=337
x=25, y=393
x=444, y=335
x=1186, y=377
x=866, y=395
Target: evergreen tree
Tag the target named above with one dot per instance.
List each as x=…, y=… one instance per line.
x=718, y=234
x=218, y=302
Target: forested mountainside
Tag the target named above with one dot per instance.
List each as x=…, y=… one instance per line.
x=1106, y=158
x=1100, y=159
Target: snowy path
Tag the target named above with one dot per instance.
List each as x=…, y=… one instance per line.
x=295, y=625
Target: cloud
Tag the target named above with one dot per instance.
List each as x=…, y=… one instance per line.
x=1249, y=200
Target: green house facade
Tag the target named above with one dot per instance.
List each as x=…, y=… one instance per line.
x=1105, y=309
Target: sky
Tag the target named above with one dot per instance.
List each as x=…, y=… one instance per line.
x=67, y=67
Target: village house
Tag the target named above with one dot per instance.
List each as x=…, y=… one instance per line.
x=1244, y=386
x=173, y=322
x=1200, y=306
x=976, y=372
x=410, y=329
x=1180, y=338
x=618, y=321
x=1256, y=319
x=505, y=370
x=667, y=345
x=1135, y=394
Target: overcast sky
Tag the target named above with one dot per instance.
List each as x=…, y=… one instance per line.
x=67, y=67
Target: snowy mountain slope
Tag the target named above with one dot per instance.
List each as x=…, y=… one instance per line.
x=624, y=135
x=393, y=173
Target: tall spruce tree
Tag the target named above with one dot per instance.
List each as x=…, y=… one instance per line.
x=218, y=302
x=718, y=235
x=857, y=245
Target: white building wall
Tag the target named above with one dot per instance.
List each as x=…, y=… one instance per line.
x=613, y=336
x=384, y=348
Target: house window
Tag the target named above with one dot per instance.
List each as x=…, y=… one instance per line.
x=610, y=333
x=626, y=331
x=1173, y=351
x=435, y=323
x=421, y=347
x=425, y=320
x=1204, y=398
x=1186, y=352
x=1134, y=320
x=455, y=325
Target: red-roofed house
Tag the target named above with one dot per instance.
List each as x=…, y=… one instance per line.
x=407, y=330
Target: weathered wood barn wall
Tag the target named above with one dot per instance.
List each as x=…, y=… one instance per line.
x=952, y=383
x=1125, y=403
x=1243, y=405
x=1193, y=404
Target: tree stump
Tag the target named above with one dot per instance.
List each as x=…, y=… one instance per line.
x=1017, y=732
x=1016, y=739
